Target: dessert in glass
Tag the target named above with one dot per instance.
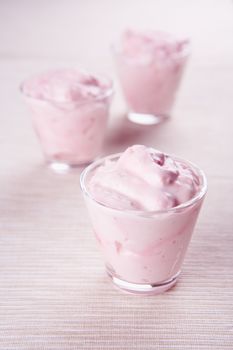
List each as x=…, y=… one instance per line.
x=69, y=109
x=143, y=206
x=150, y=66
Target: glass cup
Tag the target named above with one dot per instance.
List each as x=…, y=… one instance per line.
x=143, y=250
x=70, y=134
x=150, y=86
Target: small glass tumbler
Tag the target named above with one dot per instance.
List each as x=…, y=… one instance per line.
x=70, y=133
x=143, y=251
x=150, y=86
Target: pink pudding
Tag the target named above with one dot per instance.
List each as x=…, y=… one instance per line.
x=70, y=109
x=150, y=65
x=143, y=205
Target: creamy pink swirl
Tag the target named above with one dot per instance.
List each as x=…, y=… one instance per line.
x=150, y=45
x=144, y=179
x=66, y=86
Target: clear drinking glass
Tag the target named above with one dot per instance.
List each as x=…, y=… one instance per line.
x=70, y=134
x=143, y=250
x=150, y=86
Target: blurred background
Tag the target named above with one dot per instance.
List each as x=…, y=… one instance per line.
x=37, y=35
x=81, y=30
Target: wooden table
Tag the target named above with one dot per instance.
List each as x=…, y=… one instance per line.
x=53, y=290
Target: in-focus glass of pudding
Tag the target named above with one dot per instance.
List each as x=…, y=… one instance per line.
x=70, y=109
x=143, y=206
x=150, y=65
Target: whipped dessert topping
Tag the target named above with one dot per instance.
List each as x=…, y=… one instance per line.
x=66, y=86
x=150, y=45
x=144, y=179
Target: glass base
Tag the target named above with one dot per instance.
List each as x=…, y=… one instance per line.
x=143, y=289
x=146, y=118
x=63, y=168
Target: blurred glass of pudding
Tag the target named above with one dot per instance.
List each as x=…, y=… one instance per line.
x=150, y=66
x=69, y=109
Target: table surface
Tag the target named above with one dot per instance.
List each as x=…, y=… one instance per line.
x=53, y=290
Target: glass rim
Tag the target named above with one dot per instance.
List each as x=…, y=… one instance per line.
x=146, y=213
x=115, y=47
x=108, y=92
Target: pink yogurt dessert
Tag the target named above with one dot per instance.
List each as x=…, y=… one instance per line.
x=143, y=205
x=150, y=65
x=70, y=110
